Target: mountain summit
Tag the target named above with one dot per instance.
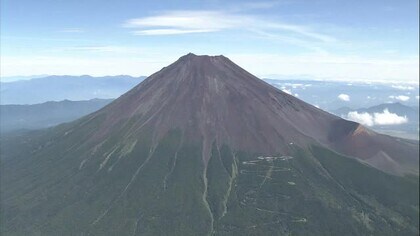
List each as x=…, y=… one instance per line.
x=211, y=99
x=203, y=147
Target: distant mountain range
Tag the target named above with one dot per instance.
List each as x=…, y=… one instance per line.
x=37, y=116
x=23, y=77
x=58, y=88
x=326, y=94
x=412, y=113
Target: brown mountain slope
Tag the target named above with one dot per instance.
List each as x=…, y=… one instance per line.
x=213, y=99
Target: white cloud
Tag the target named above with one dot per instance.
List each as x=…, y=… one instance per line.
x=402, y=98
x=186, y=22
x=288, y=91
x=403, y=87
x=344, y=97
x=362, y=118
x=297, y=85
x=384, y=118
x=387, y=118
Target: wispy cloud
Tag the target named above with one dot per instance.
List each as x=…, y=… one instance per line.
x=184, y=22
x=194, y=21
x=170, y=31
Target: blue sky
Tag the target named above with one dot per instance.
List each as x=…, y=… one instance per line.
x=324, y=39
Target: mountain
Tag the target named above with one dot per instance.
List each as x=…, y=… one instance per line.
x=202, y=147
x=48, y=114
x=58, y=88
x=17, y=78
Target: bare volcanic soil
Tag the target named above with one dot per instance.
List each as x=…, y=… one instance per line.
x=212, y=99
x=203, y=147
